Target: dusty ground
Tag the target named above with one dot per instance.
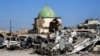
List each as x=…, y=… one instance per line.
x=27, y=52
x=4, y=52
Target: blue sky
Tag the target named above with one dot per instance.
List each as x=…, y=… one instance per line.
x=23, y=12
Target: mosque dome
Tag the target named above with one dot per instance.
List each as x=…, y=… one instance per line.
x=46, y=12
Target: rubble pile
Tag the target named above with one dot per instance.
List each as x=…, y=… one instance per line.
x=67, y=41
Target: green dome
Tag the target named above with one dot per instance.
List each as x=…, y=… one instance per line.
x=46, y=12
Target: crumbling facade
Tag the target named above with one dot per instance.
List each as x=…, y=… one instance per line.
x=42, y=22
x=90, y=24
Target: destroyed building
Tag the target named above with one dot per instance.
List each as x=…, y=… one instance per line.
x=90, y=24
x=43, y=20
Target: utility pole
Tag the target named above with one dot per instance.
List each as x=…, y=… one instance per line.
x=10, y=28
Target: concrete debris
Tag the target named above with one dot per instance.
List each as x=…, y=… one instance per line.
x=67, y=41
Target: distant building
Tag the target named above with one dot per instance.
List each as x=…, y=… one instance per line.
x=20, y=32
x=3, y=32
x=90, y=24
x=42, y=22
